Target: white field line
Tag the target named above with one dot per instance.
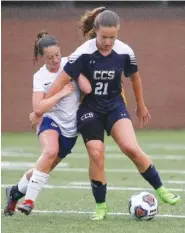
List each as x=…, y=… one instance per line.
x=111, y=213
x=122, y=156
x=110, y=147
x=11, y=165
x=164, y=181
x=23, y=165
x=90, y=213
x=173, y=181
x=109, y=188
x=164, y=146
x=18, y=154
x=108, y=156
x=148, y=146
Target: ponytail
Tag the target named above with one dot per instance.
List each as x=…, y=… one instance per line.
x=40, y=35
x=86, y=23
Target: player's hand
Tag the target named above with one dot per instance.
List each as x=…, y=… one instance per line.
x=67, y=89
x=34, y=119
x=143, y=114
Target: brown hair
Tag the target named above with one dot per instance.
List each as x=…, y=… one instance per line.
x=92, y=20
x=43, y=40
x=40, y=35
x=86, y=23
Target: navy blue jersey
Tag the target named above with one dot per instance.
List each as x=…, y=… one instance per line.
x=103, y=72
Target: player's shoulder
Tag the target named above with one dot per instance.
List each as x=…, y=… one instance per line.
x=88, y=47
x=64, y=60
x=40, y=73
x=122, y=48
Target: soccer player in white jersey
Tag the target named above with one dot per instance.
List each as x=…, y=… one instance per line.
x=56, y=130
x=104, y=60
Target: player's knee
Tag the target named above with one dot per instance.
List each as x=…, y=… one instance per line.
x=50, y=153
x=97, y=157
x=132, y=151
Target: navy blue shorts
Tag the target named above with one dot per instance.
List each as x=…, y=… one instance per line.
x=92, y=124
x=65, y=144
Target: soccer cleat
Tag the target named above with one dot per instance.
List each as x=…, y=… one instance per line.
x=166, y=196
x=26, y=207
x=10, y=204
x=101, y=212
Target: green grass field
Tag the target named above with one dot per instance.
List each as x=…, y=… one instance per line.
x=66, y=204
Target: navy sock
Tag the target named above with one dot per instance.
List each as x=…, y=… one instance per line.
x=152, y=176
x=16, y=194
x=99, y=191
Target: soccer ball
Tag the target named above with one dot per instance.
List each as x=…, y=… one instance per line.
x=143, y=206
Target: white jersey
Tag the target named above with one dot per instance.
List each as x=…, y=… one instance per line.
x=64, y=112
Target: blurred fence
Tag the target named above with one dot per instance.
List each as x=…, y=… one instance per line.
x=155, y=31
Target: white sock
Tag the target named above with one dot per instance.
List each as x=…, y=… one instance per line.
x=36, y=183
x=22, y=185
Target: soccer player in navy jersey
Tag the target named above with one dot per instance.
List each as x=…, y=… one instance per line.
x=104, y=60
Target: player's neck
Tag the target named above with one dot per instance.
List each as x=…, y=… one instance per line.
x=105, y=53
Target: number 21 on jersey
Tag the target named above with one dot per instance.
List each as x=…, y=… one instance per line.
x=101, y=88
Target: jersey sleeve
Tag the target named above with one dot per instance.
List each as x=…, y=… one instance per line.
x=74, y=65
x=37, y=84
x=64, y=61
x=131, y=65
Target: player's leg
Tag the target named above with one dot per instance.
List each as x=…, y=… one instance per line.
x=55, y=147
x=48, y=137
x=124, y=135
x=95, y=149
x=92, y=131
x=49, y=142
x=17, y=191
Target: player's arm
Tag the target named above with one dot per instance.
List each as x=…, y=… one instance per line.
x=84, y=84
x=42, y=105
x=59, y=83
x=137, y=89
x=141, y=110
x=64, y=79
x=131, y=70
x=71, y=71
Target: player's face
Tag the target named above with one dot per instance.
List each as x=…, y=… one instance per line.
x=106, y=37
x=52, y=57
